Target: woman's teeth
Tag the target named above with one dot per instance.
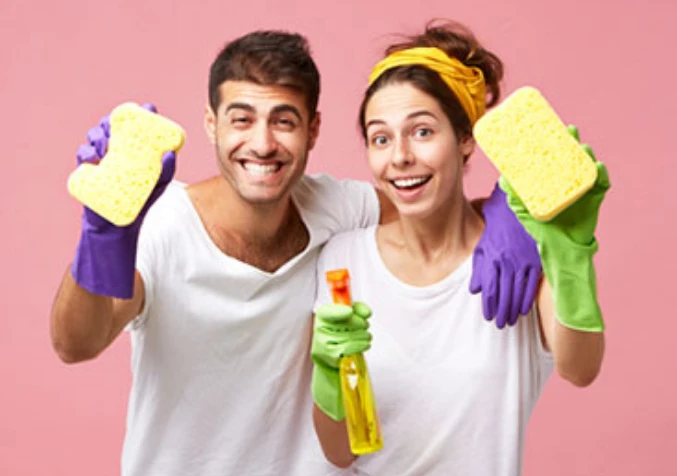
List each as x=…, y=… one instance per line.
x=410, y=182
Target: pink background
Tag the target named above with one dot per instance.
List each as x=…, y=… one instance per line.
x=608, y=66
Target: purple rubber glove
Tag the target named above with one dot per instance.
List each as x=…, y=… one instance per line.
x=506, y=264
x=105, y=259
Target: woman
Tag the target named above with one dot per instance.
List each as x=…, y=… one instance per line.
x=453, y=393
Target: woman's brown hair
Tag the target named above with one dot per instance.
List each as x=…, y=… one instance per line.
x=456, y=41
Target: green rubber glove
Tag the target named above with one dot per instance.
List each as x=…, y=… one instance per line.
x=338, y=331
x=567, y=245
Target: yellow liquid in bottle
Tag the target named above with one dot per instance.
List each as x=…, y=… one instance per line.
x=364, y=430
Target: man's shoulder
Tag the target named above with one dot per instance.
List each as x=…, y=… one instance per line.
x=172, y=204
x=174, y=191
x=324, y=190
x=324, y=182
x=335, y=205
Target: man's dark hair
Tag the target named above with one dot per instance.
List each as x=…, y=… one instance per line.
x=267, y=58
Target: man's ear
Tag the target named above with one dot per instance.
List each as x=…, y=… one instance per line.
x=314, y=130
x=210, y=123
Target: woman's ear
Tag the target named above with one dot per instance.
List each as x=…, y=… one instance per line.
x=467, y=147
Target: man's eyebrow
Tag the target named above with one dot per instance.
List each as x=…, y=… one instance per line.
x=276, y=110
x=240, y=105
x=409, y=116
x=287, y=108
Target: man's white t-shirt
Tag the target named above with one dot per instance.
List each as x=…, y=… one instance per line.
x=220, y=353
x=453, y=392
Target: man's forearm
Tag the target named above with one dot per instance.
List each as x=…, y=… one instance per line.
x=83, y=324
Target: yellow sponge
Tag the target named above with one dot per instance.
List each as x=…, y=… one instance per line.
x=118, y=187
x=532, y=148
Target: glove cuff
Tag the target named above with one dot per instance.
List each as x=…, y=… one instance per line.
x=105, y=262
x=571, y=274
x=326, y=390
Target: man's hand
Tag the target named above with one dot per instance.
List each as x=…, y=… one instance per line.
x=506, y=265
x=105, y=258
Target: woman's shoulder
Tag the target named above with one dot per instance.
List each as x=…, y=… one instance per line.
x=347, y=239
x=348, y=246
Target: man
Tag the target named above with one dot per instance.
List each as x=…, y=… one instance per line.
x=217, y=287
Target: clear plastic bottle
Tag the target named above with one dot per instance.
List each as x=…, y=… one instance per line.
x=364, y=430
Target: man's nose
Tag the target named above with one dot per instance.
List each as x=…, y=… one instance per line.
x=262, y=142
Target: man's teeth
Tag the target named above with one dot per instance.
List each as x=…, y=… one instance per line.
x=409, y=182
x=259, y=169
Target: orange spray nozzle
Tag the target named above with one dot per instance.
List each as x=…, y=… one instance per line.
x=339, y=283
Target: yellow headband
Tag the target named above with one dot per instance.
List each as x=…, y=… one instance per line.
x=466, y=82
